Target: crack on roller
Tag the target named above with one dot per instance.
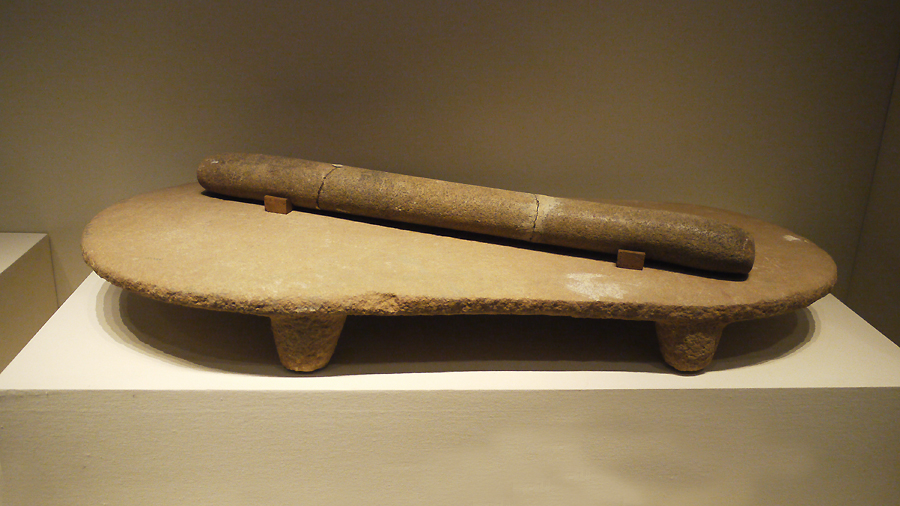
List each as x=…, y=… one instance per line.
x=322, y=184
x=537, y=212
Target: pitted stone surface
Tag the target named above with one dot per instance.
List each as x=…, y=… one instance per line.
x=307, y=344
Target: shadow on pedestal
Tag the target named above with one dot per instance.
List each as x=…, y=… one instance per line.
x=402, y=344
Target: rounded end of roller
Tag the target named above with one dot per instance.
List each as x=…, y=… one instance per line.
x=211, y=170
x=746, y=253
x=736, y=251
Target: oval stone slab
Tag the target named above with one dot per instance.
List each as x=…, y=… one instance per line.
x=309, y=270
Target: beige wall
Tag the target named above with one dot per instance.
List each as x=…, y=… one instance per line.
x=875, y=284
x=774, y=109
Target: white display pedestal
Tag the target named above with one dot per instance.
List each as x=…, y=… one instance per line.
x=123, y=400
x=27, y=290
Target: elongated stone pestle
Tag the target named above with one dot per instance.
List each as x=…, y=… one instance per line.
x=677, y=238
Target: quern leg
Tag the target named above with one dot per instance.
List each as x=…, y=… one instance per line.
x=689, y=345
x=306, y=342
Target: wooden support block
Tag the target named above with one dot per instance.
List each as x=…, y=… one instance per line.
x=277, y=204
x=626, y=259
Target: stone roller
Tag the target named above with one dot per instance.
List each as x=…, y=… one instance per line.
x=677, y=238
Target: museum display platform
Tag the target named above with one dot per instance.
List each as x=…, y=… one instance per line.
x=27, y=290
x=121, y=399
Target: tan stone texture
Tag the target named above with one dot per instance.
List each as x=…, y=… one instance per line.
x=261, y=175
x=675, y=237
x=689, y=345
x=669, y=236
x=184, y=246
x=431, y=202
x=307, y=343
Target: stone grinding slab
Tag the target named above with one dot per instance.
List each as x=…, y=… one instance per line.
x=308, y=270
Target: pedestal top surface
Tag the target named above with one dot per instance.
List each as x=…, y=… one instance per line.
x=187, y=247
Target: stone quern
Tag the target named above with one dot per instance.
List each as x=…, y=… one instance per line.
x=677, y=238
x=308, y=271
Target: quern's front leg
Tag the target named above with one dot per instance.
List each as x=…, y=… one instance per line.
x=689, y=345
x=306, y=342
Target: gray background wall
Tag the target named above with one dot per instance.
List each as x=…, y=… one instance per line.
x=774, y=109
